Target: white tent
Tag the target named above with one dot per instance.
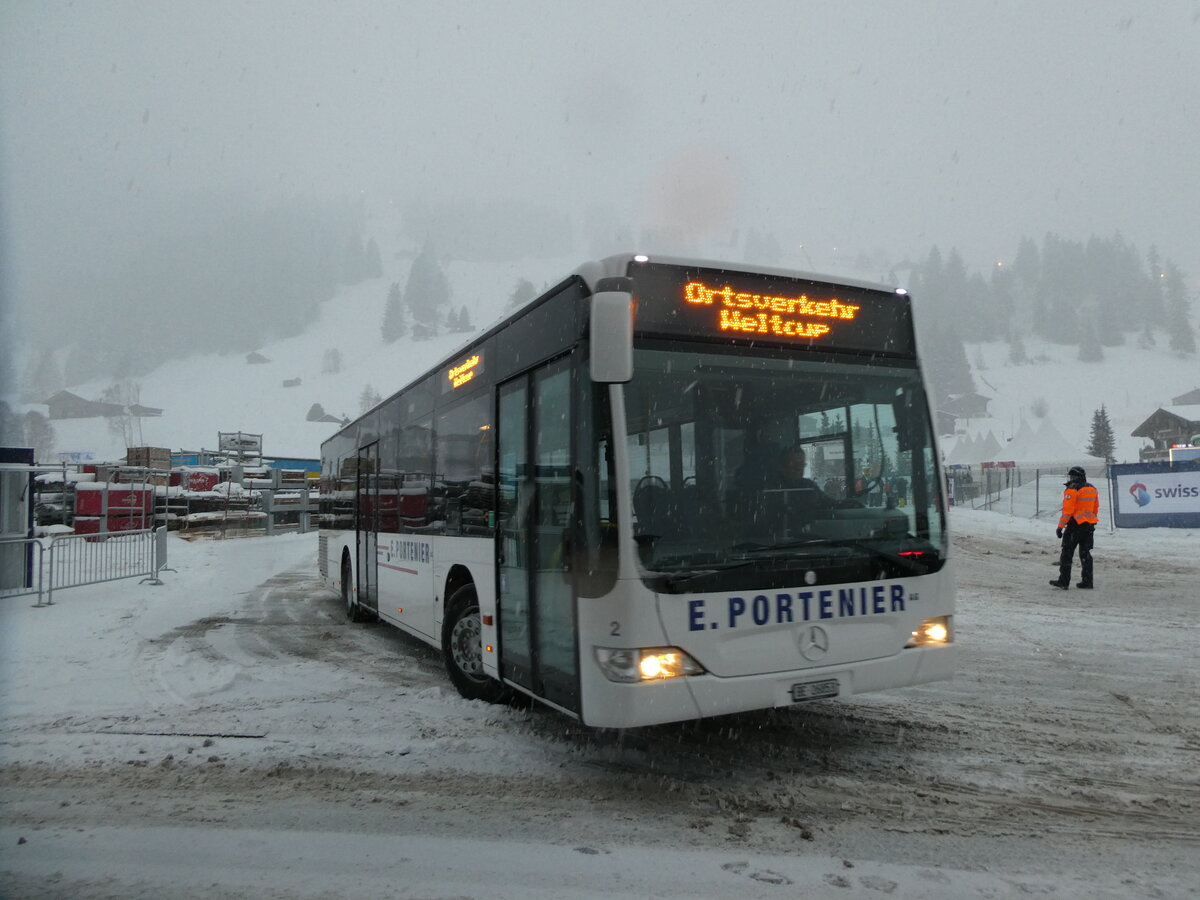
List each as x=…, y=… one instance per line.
x=989, y=447
x=1045, y=447
x=961, y=453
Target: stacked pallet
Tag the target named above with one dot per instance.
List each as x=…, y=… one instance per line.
x=149, y=457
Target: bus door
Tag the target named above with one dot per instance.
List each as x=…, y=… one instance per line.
x=366, y=524
x=536, y=596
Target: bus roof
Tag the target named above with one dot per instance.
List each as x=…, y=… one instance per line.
x=612, y=266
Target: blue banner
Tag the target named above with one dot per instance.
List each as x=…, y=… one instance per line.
x=1156, y=495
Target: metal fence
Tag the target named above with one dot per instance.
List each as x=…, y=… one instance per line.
x=1025, y=492
x=74, y=560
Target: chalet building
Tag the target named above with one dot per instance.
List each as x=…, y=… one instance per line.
x=65, y=405
x=967, y=406
x=316, y=413
x=1168, y=426
x=961, y=406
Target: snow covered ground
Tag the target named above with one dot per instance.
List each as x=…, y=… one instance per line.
x=230, y=734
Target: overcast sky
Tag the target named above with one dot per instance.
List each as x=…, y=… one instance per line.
x=892, y=126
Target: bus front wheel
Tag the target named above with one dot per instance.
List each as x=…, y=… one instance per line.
x=462, y=647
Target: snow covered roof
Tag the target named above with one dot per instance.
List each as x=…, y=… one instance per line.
x=1171, y=419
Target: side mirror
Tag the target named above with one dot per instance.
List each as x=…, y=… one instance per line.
x=611, y=331
x=908, y=420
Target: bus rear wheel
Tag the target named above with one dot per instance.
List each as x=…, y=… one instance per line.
x=462, y=648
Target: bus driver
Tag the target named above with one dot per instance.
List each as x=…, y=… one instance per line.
x=792, y=463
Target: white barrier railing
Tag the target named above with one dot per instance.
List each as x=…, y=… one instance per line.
x=75, y=560
x=1022, y=491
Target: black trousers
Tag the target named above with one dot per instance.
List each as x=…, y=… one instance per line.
x=1076, y=535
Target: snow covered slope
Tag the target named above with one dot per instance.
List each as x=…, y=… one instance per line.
x=1058, y=389
x=204, y=394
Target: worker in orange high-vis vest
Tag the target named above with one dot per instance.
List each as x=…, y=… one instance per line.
x=1077, y=528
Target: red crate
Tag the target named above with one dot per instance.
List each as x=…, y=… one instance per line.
x=129, y=523
x=201, y=481
x=119, y=499
x=87, y=525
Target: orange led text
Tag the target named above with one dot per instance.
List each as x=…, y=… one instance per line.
x=464, y=372
x=765, y=314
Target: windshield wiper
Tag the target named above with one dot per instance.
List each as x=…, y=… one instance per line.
x=891, y=556
x=746, y=549
x=680, y=578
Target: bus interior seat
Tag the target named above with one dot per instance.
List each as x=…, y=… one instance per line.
x=653, y=507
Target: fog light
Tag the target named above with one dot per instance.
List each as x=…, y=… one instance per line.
x=931, y=633
x=645, y=664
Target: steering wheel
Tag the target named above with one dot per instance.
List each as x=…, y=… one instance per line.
x=869, y=485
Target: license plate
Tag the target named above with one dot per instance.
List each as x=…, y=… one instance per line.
x=814, y=690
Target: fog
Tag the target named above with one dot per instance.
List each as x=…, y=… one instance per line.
x=843, y=131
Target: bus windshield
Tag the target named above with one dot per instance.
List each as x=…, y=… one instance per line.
x=761, y=469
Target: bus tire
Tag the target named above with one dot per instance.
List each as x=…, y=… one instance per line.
x=462, y=648
x=354, y=612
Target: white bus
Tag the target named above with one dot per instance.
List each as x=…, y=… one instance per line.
x=585, y=504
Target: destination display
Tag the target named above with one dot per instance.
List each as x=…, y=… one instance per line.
x=461, y=373
x=750, y=308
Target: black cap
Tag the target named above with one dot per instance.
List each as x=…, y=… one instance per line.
x=1076, y=473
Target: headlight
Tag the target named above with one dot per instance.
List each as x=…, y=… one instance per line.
x=931, y=633
x=645, y=664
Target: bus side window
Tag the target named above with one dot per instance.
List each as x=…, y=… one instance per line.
x=464, y=466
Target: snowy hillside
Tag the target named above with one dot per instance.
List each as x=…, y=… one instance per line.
x=203, y=395
x=1059, y=390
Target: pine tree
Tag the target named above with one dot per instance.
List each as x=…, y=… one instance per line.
x=331, y=362
x=83, y=363
x=427, y=293
x=1146, y=339
x=39, y=434
x=1102, y=443
x=374, y=261
x=1089, y=346
x=354, y=260
x=1155, y=305
x=459, y=321
x=368, y=398
x=125, y=394
x=395, y=322
x=1180, y=329
x=1027, y=264
x=1016, y=348
x=45, y=379
x=523, y=292
x=948, y=369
